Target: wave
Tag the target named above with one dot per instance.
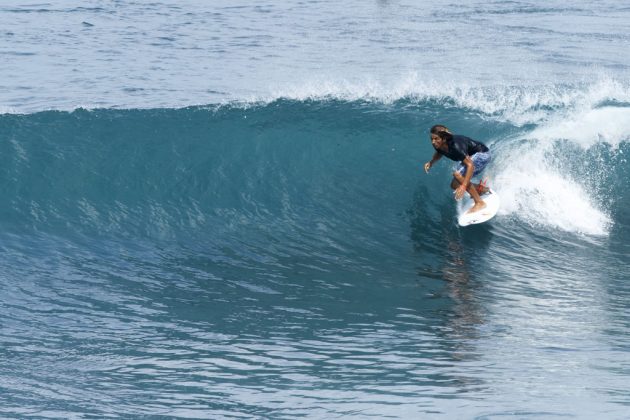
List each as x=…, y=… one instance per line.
x=518, y=104
x=301, y=168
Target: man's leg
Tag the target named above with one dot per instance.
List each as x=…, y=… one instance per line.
x=480, y=187
x=458, y=180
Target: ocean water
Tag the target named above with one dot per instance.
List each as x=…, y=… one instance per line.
x=218, y=210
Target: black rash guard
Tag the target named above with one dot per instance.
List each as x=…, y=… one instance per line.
x=461, y=146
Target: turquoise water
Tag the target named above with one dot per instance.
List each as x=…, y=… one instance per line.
x=230, y=244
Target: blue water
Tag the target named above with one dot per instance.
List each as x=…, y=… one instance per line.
x=219, y=210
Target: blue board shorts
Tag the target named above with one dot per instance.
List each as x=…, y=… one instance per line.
x=480, y=160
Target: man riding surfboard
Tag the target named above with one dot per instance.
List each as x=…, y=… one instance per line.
x=473, y=156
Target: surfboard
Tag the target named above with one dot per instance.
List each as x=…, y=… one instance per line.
x=464, y=218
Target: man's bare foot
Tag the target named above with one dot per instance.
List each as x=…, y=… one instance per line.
x=477, y=207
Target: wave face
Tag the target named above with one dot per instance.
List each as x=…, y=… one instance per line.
x=173, y=173
x=290, y=257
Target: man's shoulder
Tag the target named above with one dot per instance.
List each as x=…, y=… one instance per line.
x=458, y=146
x=461, y=138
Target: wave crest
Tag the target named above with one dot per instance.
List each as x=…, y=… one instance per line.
x=519, y=105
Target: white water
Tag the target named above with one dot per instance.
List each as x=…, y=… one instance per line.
x=536, y=188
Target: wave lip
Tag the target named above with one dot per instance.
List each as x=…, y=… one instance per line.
x=504, y=102
x=589, y=127
x=519, y=104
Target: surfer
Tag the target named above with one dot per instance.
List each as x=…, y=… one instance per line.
x=473, y=156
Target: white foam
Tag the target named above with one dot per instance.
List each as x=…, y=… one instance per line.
x=588, y=127
x=532, y=186
x=505, y=102
x=534, y=190
x=519, y=105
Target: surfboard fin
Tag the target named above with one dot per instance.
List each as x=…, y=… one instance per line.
x=483, y=187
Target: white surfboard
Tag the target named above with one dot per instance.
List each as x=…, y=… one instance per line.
x=464, y=218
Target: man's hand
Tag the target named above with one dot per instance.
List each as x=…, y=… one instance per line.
x=427, y=166
x=459, y=192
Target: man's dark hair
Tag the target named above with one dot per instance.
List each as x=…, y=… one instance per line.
x=437, y=128
x=442, y=131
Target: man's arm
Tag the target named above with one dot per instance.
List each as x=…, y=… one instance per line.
x=470, y=168
x=436, y=156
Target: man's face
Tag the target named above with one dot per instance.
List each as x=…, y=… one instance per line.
x=436, y=141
